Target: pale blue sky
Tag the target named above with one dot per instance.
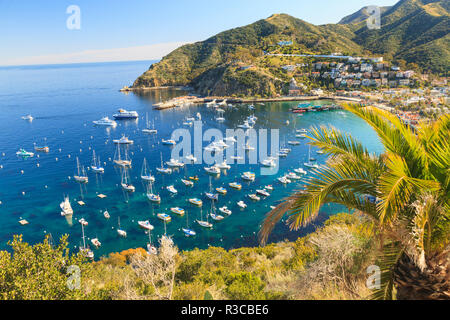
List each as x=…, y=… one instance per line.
x=32, y=28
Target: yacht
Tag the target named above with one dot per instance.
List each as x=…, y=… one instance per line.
x=269, y=187
x=248, y=176
x=121, y=232
x=242, y=204
x=204, y=224
x=178, y=211
x=123, y=140
x=235, y=185
x=164, y=217
x=301, y=131
x=172, y=189
x=124, y=114
x=24, y=153
x=145, y=225
x=294, y=143
x=66, y=207
x=42, y=149
x=105, y=121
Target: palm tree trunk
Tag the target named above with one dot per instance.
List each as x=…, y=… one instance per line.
x=431, y=284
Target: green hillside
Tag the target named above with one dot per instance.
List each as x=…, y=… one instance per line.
x=233, y=62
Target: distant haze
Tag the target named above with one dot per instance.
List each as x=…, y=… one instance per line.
x=148, y=52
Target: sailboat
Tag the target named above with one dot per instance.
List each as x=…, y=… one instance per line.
x=81, y=174
x=188, y=232
x=96, y=167
x=204, y=224
x=151, y=249
x=66, y=207
x=213, y=214
x=162, y=169
x=125, y=182
x=147, y=128
x=119, y=161
x=220, y=118
x=309, y=164
x=85, y=251
x=151, y=196
x=210, y=195
x=146, y=225
x=144, y=174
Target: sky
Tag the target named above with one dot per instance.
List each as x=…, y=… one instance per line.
x=36, y=31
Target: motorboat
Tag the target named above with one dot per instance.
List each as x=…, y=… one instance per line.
x=187, y=183
x=178, y=211
x=146, y=225
x=293, y=176
x=189, y=232
x=225, y=210
x=300, y=171
x=24, y=153
x=194, y=178
x=221, y=190
x=294, y=143
x=196, y=202
x=302, y=136
x=42, y=149
x=254, y=197
x=168, y=142
x=212, y=170
x=28, y=117
x=191, y=158
x=311, y=165
x=164, y=217
x=263, y=193
x=242, y=204
x=96, y=242
x=301, y=131
x=284, y=180
x=123, y=140
x=212, y=196
x=106, y=214
x=269, y=187
x=175, y=163
x=270, y=162
x=248, y=176
x=172, y=189
x=105, y=121
x=122, y=233
x=235, y=185
x=124, y=114
x=223, y=165
x=216, y=217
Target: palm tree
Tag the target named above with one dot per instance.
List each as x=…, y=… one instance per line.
x=404, y=191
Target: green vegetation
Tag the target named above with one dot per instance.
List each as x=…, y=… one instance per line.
x=414, y=33
x=330, y=263
x=404, y=191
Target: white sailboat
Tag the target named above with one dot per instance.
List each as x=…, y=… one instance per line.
x=309, y=164
x=147, y=128
x=145, y=175
x=204, y=224
x=187, y=231
x=151, y=249
x=118, y=159
x=162, y=169
x=151, y=196
x=96, y=167
x=126, y=185
x=85, y=251
x=81, y=174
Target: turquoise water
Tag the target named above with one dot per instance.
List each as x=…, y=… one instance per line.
x=65, y=99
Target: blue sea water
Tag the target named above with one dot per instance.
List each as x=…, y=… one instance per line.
x=65, y=99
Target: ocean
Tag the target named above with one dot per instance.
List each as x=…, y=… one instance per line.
x=65, y=99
